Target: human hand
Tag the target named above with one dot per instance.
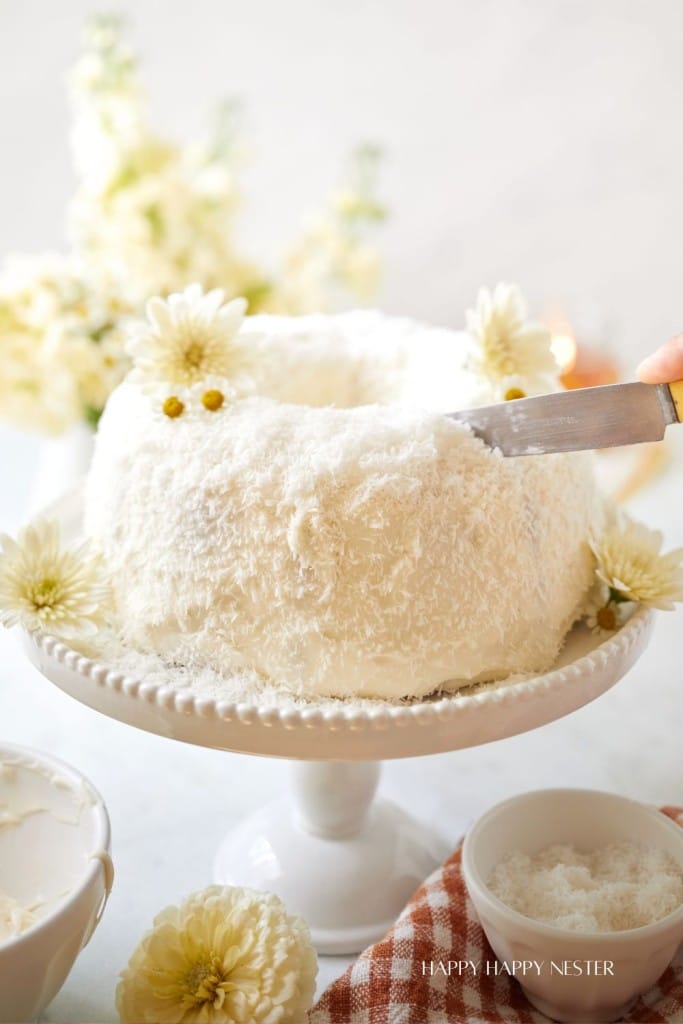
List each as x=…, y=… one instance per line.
x=665, y=365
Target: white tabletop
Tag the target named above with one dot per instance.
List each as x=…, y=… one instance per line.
x=171, y=804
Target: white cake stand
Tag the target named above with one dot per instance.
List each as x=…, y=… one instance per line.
x=342, y=859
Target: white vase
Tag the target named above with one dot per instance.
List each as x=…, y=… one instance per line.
x=62, y=466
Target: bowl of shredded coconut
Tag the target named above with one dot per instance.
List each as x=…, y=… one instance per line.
x=55, y=876
x=580, y=894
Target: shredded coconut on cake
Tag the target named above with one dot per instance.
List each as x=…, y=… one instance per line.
x=244, y=686
x=366, y=548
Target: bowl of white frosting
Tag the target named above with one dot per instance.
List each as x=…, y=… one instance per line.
x=580, y=895
x=55, y=876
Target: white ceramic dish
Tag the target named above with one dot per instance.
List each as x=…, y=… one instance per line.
x=54, y=857
x=585, y=819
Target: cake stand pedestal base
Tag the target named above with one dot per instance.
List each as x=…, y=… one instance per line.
x=344, y=861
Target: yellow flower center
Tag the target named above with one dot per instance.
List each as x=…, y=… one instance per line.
x=46, y=593
x=513, y=393
x=173, y=407
x=606, y=618
x=194, y=354
x=204, y=981
x=213, y=400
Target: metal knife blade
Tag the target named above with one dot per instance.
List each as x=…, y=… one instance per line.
x=601, y=417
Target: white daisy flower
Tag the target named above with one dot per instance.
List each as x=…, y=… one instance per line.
x=190, y=337
x=604, y=616
x=214, y=393
x=45, y=586
x=171, y=403
x=514, y=357
x=207, y=396
x=630, y=563
x=608, y=619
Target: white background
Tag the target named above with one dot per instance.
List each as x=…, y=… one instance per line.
x=533, y=140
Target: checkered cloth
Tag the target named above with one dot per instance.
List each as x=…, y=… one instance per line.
x=387, y=985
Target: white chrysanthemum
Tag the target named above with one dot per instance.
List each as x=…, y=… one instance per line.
x=189, y=338
x=514, y=357
x=226, y=954
x=630, y=563
x=45, y=586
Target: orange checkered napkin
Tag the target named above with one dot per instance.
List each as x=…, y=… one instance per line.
x=393, y=982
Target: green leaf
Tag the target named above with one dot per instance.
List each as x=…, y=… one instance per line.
x=92, y=415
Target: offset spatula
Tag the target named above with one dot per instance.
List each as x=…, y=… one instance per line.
x=570, y=421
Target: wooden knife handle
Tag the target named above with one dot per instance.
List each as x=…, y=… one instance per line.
x=676, y=390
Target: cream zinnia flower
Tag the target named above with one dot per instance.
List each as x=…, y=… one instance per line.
x=514, y=357
x=45, y=586
x=225, y=955
x=630, y=563
x=189, y=338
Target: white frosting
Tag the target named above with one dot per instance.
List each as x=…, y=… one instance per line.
x=38, y=806
x=14, y=918
x=364, y=549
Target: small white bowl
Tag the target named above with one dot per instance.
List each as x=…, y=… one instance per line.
x=585, y=819
x=55, y=857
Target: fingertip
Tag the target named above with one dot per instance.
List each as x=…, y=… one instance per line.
x=664, y=365
x=648, y=370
